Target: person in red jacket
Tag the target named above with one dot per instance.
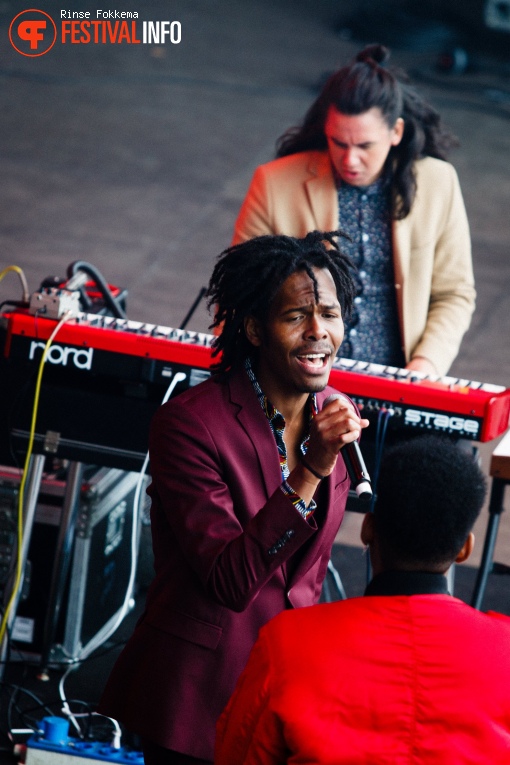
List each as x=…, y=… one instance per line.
x=407, y=673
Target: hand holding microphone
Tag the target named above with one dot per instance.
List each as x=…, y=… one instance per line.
x=354, y=462
x=332, y=425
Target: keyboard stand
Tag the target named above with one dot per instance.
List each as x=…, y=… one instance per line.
x=500, y=473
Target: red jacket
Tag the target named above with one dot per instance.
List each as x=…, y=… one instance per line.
x=386, y=680
x=230, y=550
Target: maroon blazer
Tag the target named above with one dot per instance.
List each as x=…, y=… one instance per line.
x=230, y=552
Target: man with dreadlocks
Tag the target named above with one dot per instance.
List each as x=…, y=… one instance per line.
x=248, y=491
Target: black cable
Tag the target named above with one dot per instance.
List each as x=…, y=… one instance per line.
x=25, y=715
x=382, y=424
x=100, y=281
x=14, y=303
x=193, y=308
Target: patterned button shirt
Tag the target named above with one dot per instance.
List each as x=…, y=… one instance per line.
x=277, y=424
x=373, y=333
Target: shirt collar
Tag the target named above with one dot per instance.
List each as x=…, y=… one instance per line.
x=408, y=583
x=377, y=187
x=271, y=411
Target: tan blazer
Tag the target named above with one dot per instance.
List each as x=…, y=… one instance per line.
x=431, y=247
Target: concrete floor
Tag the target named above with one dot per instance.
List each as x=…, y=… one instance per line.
x=135, y=158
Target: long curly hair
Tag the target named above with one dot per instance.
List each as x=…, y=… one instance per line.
x=247, y=277
x=365, y=84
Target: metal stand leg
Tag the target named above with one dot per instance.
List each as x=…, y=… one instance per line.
x=62, y=563
x=338, y=584
x=495, y=510
x=33, y=484
x=450, y=578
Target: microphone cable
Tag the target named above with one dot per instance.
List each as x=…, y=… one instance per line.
x=383, y=419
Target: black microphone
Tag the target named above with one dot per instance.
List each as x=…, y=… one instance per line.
x=354, y=462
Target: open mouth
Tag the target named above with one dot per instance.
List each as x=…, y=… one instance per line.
x=314, y=362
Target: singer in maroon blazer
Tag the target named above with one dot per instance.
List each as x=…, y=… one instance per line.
x=231, y=548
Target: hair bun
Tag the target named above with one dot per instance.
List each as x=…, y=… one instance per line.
x=375, y=53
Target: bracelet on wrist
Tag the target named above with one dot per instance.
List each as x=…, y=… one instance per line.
x=311, y=470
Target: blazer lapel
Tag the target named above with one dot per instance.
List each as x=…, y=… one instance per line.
x=254, y=422
x=321, y=193
x=401, y=259
x=401, y=249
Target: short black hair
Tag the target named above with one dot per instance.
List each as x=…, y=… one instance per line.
x=429, y=494
x=247, y=277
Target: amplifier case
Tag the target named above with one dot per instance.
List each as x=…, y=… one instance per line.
x=100, y=565
x=101, y=562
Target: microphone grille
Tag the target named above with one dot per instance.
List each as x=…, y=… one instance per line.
x=334, y=397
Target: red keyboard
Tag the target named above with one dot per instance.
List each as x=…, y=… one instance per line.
x=114, y=370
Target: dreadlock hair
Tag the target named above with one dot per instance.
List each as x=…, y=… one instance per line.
x=365, y=84
x=429, y=494
x=247, y=277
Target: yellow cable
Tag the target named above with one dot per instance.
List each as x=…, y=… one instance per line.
x=35, y=407
x=19, y=271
